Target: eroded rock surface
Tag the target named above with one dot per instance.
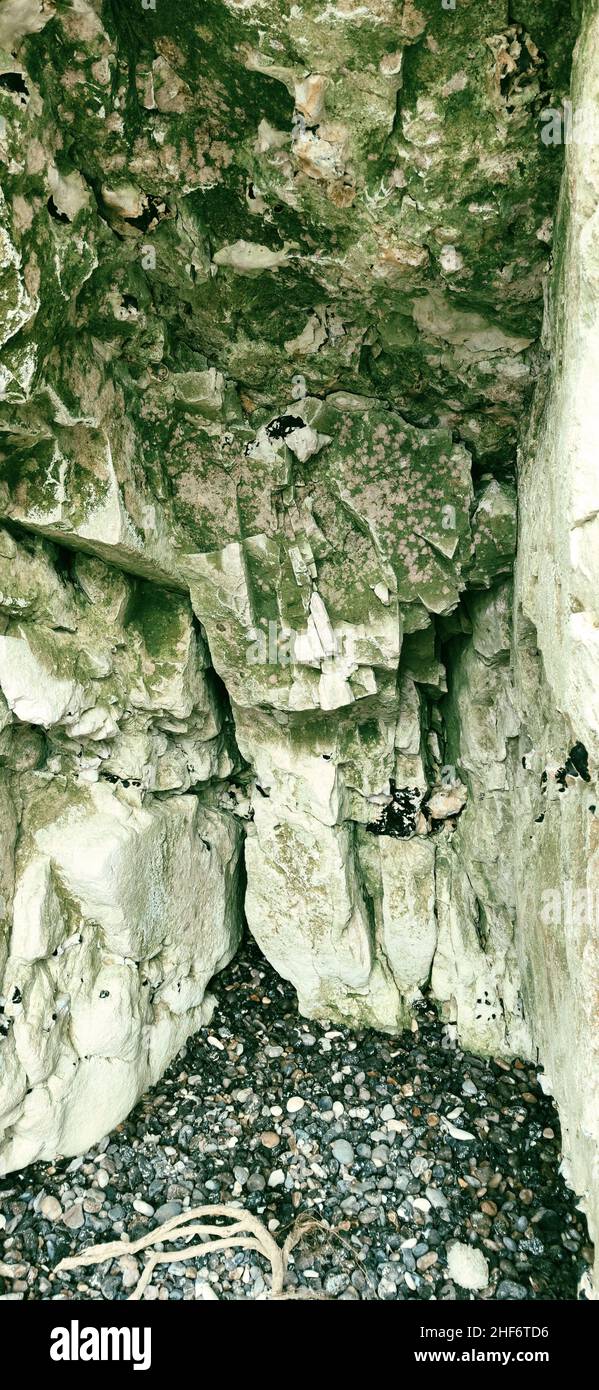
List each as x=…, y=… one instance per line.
x=123, y=911
x=272, y=298
x=556, y=664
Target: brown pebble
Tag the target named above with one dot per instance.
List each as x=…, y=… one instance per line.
x=74, y=1218
x=489, y=1208
x=269, y=1139
x=94, y=1203
x=426, y=1261
x=13, y=1271
x=494, y=1181
x=526, y=1196
x=432, y=1120
x=548, y=1133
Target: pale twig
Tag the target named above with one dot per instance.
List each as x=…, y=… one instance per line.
x=246, y=1232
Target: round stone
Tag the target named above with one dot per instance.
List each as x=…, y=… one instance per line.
x=427, y=1260
x=144, y=1208
x=294, y=1104
x=50, y=1208
x=269, y=1139
x=343, y=1152
x=167, y=1211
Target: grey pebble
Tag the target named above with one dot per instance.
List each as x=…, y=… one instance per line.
x=508, y=1289
x=343, y=1152
x=196, y=1138
x=166, y=1211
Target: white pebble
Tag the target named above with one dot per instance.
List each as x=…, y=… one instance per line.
x=130, y=1271
x=294, y=1104
x=50, y=1208
x=204, y=1291
x=467, y=1266
x=144, y=1208
x=456, y=1133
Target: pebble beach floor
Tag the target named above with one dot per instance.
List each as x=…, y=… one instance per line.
x=404, y=1150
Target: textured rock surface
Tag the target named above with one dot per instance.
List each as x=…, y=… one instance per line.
x=122, y=912
x=557, y=667
x=475, y=969
x=121, y=901
x=271, y=294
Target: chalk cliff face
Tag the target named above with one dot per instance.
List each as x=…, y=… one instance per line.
x=556, y=659
x=271, y=293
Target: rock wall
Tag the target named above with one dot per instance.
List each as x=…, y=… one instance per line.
x=557, y=661
x=119, y=899
x=272, y=297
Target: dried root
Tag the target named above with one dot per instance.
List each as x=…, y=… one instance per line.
x=245, y=1232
